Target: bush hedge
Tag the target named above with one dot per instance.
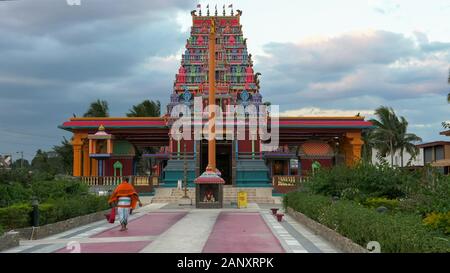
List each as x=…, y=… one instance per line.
x=375, y=202
x=19, y=216
x=422, y=191
x=396, y=232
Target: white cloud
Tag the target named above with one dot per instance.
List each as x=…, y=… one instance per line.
x=316, y=111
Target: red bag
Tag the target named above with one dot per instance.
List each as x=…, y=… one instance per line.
x=111, y=217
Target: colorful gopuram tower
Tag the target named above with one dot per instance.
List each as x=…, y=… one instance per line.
x=236, y=83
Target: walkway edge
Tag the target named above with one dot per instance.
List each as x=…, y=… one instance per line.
x=341, y=242
x=62, y=226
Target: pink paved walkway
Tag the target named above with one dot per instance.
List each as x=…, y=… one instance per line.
x=240, y=233
x=115, y=247
x=151, y=224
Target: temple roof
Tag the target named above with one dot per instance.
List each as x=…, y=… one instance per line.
x=160, y=122
x=325, y=122
x=113, y=123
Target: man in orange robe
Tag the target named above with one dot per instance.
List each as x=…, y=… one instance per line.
x=125, y=198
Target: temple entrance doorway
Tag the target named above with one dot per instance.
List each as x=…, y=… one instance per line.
x=223, y=158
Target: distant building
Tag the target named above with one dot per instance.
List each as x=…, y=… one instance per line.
x=397, y=161
x=437, y=154
x=52, y=154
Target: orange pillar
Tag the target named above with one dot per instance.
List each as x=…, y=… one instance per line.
x=212, y=99
x=352, y=147
x=76, y=144
x=94, y=167
x=86, y=161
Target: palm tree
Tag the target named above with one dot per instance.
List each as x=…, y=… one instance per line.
x=384, y=135
x=448, y=95
x=369, y=144
x=147, y=108
x=391, y=134
x=98, y=108
x=406, y=140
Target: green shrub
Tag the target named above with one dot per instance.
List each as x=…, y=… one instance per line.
x=396, y=232
x=16, y=216
x=438, y=221
x=1, y=231
x=376, y=202
x=45, y=190
x=48, y=213
x=13, y=193
x=422, y=191
x=360, y=182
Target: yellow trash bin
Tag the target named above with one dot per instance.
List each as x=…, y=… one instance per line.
x=242, y=199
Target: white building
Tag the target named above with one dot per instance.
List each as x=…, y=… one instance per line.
x=417, y=161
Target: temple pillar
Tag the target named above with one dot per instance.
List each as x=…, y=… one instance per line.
x=352, y=148
x=77, y=143
x=94, y=167
x=86, y=161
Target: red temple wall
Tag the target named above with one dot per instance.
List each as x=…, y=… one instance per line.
x=127, y=166
x=307, y=163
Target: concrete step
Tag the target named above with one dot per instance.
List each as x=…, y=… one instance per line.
x=254, y=195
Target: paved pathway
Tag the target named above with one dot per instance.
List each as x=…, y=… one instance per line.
x=162, y=228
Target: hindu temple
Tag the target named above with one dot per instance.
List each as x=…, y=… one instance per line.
x=107, y=149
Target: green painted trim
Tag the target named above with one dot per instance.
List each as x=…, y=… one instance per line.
x=113, y=127
x=328, y=127
x=254, y=185
x=278, y=194
x=147, y=193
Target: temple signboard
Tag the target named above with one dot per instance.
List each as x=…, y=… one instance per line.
x=286, y=183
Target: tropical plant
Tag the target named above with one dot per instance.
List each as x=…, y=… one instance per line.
x=390, y=134
x=65, y=153
x=384, y=135
x=147, y=108
x=98, y=108
x=448, y=80
x=405, y=140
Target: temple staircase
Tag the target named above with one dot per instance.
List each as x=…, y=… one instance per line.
x=230, y=194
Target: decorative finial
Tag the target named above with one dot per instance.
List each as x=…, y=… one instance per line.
x=207, y=10
x=101, y=128
x=215, y=13
x=231, y=6
x=199, y=6
x=213, y=27
x=223, y=10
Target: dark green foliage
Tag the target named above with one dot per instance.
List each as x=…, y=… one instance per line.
x=65, y=155
x=147, y=108
x=98, y=108
x=360, y=182
x=13, y=193
x=420, y=192
x=45, y=190
x=66, y=208
x=15, y=216
x=19, y=216
x=396, y=232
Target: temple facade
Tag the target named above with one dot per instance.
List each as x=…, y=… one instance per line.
x=106, y=149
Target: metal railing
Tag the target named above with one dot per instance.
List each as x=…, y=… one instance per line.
x=116, y=180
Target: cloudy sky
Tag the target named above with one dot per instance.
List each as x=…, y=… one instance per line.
x=320, y=57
